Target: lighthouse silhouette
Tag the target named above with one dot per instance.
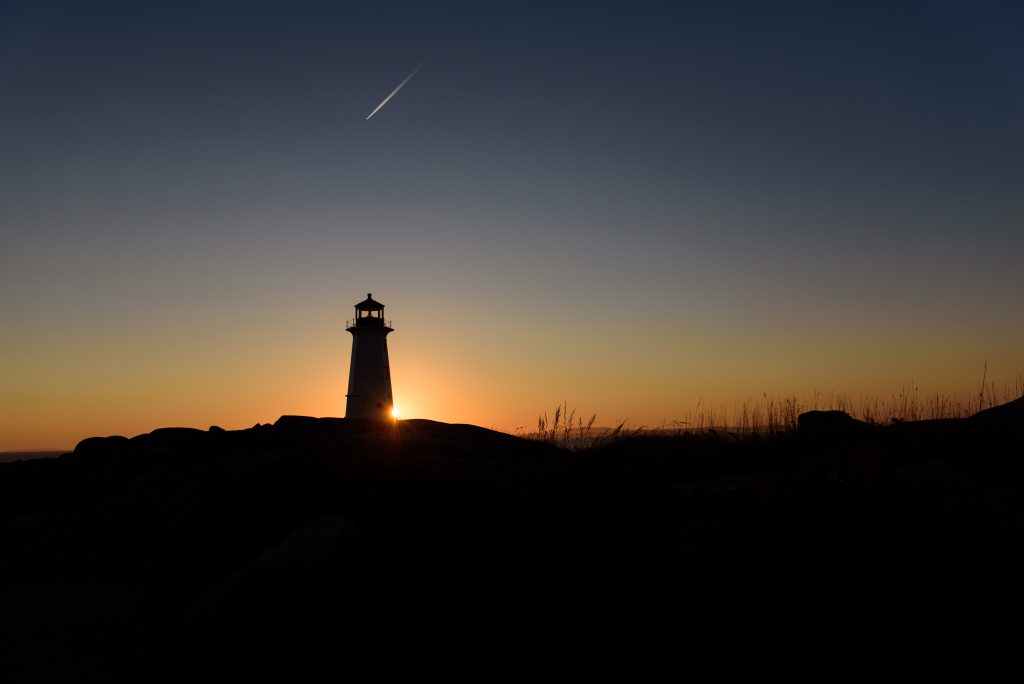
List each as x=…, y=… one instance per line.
x=369, y=375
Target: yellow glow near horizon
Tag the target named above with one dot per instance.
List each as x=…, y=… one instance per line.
x=500, y=373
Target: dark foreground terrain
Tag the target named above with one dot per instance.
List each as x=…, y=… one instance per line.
x=422, y=548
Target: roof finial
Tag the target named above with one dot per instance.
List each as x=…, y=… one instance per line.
x=369, y=295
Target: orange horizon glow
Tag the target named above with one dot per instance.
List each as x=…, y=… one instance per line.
x=501, y=372
x=449, y=393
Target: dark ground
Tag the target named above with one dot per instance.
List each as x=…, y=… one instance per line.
x=423, y=548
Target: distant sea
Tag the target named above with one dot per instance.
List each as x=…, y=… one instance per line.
x=28, y=454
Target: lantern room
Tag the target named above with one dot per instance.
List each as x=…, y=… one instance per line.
x=369, y=312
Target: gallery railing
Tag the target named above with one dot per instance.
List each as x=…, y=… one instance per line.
x=367, y=322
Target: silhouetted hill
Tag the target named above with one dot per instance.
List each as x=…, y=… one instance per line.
x=422, y=548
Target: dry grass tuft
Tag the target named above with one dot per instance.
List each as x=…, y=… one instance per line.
x=775, y=414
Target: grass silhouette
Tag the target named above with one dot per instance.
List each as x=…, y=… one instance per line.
x=772, y=414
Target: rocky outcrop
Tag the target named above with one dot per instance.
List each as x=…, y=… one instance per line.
x=417, y=548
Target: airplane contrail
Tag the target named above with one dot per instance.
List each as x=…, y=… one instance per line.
x=399, y=87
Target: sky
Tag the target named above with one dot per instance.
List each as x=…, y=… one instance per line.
x=635, y=208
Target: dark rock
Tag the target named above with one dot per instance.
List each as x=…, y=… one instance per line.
x=289, y=579
x=304, y=595
x=823, y=422
x=236, y=554
x=1005, y=416
x=94, y=445
x=173, y=438
x=331, y=425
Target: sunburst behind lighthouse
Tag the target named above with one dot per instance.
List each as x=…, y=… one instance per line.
x=369, y=375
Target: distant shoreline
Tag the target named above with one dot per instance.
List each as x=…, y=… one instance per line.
x=30, y=454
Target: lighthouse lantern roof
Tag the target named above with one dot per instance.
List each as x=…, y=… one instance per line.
x=369, y=304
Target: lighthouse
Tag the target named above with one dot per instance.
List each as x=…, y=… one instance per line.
x=369, y=375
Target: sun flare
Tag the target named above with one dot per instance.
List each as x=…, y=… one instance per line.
x=394, y=412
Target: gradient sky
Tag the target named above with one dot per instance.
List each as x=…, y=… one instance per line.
x=631, y=207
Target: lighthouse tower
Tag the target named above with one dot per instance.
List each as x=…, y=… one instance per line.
x=369, y=375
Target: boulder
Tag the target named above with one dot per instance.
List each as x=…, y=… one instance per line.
x=828, y=422
x=102, y=445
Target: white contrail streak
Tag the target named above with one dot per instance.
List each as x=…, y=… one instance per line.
x=399, y=87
